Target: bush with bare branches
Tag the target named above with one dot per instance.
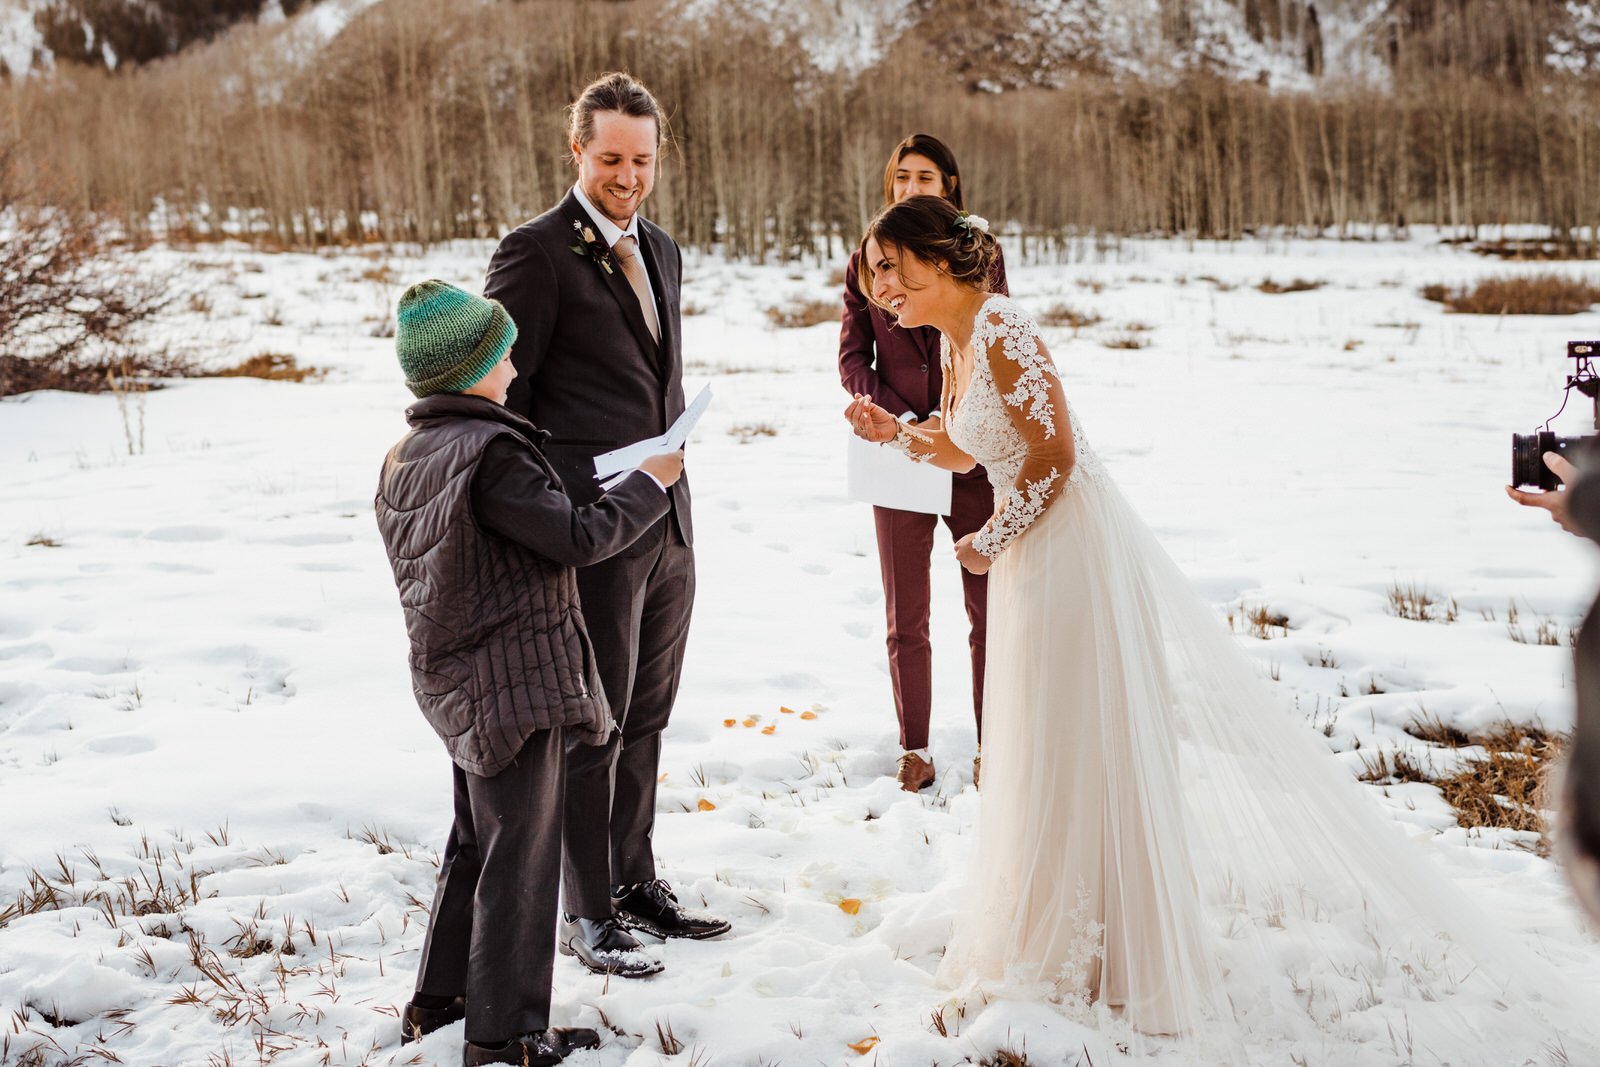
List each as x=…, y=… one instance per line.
x=71, y=303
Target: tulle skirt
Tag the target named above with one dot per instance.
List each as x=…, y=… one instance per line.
x=1168, y=854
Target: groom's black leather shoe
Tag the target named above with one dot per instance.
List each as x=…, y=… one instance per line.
x=653, y=907
x=418, y=1022
x=544, y=1049
x=605, y=947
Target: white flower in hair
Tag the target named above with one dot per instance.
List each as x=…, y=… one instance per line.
x=972, y=223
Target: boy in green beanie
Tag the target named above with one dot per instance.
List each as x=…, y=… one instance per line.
x=483, y=542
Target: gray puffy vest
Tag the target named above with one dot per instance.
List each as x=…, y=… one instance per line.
x=498, y=646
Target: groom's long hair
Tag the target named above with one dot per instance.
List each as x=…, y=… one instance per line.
x=614, y=91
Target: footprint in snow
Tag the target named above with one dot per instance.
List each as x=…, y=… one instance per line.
x=185, y=533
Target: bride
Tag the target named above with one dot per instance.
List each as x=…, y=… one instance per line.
x=1161, y=849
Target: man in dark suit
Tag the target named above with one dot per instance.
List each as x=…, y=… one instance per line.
x=594, y=292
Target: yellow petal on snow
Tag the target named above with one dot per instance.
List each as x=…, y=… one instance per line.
x=861, y=1048
x=770, y=729
x=751, y=721
x=787, y=711
x=851, y=906
x=729, y=722
x=706, y=805
x=808, y=715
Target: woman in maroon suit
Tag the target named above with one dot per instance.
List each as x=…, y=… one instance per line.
x=899, y=368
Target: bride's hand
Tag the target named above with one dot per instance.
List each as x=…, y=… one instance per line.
x=869, y=421
x=971, y=558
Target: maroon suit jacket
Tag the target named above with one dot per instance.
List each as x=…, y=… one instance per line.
x=897, y=366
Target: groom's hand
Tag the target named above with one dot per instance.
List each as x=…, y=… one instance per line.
x=971, y=558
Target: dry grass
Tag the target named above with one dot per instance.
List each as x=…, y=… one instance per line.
x=1414, y=602
x=749, y=431
x=272, y=366
x=1060, y=314
x=1299, y=285
x=798, y=314
x=1259, y=621
x=1525, y=294
x=1504, y=788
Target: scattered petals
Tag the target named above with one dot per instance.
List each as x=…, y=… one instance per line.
x=706, y=805
x=808, y=715
x=769, y=730
x=852, y=906
x=751, y=721
x=861, y=1048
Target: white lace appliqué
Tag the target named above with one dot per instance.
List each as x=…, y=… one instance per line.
x=981, y=424
x=904, y=435
x=1021, y=509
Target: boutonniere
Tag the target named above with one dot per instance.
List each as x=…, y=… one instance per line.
x=589, y=244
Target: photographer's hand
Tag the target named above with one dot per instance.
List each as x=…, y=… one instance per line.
x=1555, y=501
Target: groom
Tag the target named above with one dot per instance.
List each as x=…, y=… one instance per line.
x=593, y=290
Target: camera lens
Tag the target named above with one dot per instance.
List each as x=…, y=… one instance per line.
x=1527, y=458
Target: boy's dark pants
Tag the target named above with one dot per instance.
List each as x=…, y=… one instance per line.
x=492, y=936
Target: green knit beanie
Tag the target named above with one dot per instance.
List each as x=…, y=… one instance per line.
x=448, y=339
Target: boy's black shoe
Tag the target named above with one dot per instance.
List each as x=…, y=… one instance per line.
x=653, y=907
x=418, y=1022
x=544, y=1049
x=604, y=947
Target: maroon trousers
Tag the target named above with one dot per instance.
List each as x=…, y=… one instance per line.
x=905, y=543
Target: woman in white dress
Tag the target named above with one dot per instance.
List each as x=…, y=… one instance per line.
x=1161, y=849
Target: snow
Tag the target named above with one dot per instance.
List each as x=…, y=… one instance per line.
x=203, y=687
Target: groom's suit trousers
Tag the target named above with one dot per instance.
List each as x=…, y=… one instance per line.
x=637, y=607
x=492, y=934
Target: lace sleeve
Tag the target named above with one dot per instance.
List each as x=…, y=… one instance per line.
x=927, y=445
x=1030, y=386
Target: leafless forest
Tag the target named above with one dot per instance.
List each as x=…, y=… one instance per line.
x=414, y=125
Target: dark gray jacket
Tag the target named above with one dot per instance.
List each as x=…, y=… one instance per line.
x=498, y=645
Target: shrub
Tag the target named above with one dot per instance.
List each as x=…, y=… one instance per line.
x=71, y=303
x=1524, y=294
x=1299, y=285
x=1066, y=315
x=801, y=313
x=273, y=366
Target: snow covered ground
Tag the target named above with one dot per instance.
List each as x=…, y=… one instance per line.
x=215, y=780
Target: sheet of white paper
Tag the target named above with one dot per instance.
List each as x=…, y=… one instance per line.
x=624, y=459
x=879, y=475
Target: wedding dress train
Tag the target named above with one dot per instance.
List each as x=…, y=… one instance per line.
x=1161, y=848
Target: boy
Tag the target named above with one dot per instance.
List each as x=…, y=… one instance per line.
x=483, y=543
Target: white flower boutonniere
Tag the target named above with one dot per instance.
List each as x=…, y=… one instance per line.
x=589, y=244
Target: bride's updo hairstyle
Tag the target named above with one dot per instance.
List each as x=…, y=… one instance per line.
x=935, y=231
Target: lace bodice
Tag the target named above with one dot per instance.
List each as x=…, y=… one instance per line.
x=1009, y=420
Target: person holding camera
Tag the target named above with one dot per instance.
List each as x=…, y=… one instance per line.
x=1576, y=509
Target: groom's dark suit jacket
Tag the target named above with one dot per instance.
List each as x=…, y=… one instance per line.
x=588, y=371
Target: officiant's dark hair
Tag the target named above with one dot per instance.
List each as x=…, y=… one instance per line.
x=615, y=91
x=933, y=230
x=929, y=146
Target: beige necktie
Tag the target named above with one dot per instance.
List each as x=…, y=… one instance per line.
x=627, y=250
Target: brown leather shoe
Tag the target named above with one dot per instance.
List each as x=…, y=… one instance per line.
x=417, y=1023
x=915, y=773
x=977, y=770
x=544, y=1049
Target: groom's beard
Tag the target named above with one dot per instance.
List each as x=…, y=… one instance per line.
x=617, y=210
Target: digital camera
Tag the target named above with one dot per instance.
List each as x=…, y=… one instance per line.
x=1527, y=450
